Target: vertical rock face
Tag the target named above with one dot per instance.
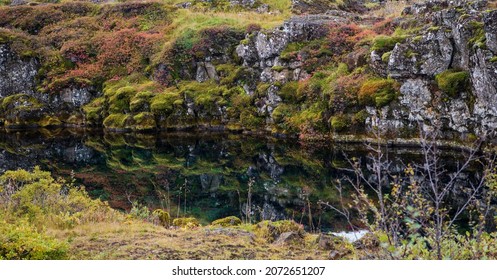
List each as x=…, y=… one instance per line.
x=23, y=104
x=206, y=71
x=77, y=97
x=261, y=52
x=490, y=20
x=462, y=38
x=17, y=75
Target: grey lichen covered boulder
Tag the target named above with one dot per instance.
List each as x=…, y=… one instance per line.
x=17, y=74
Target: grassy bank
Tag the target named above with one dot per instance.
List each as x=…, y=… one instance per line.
x=45, y=218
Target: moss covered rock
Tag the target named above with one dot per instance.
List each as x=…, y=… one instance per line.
x=186, y=222
x=270, y=230
x=143, y=121
x=119, y=100
x=48, y=121
x=118, y=122
x=339, y=122
x=163, y=217
x=453, y=82
x=227, y=222
x=141, y=101
x=165, y=103
x=94, y=111
x=21, y=110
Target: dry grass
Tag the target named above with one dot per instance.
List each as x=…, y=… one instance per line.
x=186, y=19
x=190, y=20
x=393, y=8
x=139, y=240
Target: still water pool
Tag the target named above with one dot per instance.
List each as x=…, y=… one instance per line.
x=208, y=175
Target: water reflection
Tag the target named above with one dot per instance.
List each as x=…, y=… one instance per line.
x=208, y=176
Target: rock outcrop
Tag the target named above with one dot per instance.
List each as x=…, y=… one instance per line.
x=462, y=38
x=17, y=74
x=261, y=51
x=328, y=70
x=21, y=102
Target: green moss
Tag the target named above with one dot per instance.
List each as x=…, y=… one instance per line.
x=21, y=110
x=360, y=117
x=164, y=104
x=452, y=82
x=433, y=28
x=141, y=101
x=281, y=112
x=245, y=41
x=186, y=222
x=250, y=120
x=417, y=39
x=117, y=121
x=144, y=121
x=384, y=43
x=94, y=111
x=262, y=88
x=49, y=121
x=19, y=102
x=271, y=230
x=163, y=217
x=478, y=40
x=231, y=74
x=411, y=54
x=378, y=92
x=75, y=119
x=493, y=59
x=227, y=222
x=119, y=101
x=278, y=68
x=463, y=17
x=288, y=92
x=208, y=98
x=386, y=57
x=339, y=123
x=291, y=50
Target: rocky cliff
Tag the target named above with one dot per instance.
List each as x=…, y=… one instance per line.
x=448, y=72
x=338, y=69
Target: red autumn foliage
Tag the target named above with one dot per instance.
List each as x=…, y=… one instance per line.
x=385, y=26
x=342, y=38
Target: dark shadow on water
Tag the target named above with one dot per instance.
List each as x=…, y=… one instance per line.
x=205, y=175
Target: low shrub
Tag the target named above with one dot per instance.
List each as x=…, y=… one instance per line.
x=21, y=241
x=378, y=92
x=45, y=201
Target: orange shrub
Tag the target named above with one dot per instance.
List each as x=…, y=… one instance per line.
x=378, y=92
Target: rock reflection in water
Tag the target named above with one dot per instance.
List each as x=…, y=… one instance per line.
x=204, y=175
